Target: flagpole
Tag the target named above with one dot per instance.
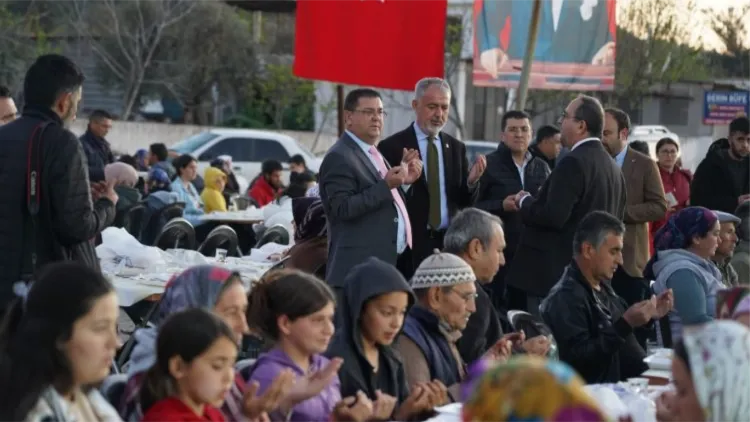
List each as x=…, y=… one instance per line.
x=340, y=107
x=528, y=58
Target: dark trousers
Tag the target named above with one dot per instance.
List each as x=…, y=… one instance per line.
x=409, y=260
x=633, y=290
x=519, y=300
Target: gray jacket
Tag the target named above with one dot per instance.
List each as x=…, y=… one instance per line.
x=362, y=216
x=694, y=282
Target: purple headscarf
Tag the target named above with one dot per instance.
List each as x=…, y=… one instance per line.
x=682, y=226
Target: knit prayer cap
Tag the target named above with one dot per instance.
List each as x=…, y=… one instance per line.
x=442, y=270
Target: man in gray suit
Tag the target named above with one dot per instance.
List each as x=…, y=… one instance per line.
x=362, y=196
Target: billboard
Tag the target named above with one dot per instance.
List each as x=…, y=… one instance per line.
x=575, y=47
x=721, y=107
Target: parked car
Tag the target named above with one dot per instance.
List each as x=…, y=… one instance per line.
x=474, y=148
x=651, y=134
x=248, y=149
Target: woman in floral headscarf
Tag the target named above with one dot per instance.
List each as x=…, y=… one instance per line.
x=530, y=389
x=681, y=263
x=310, y=250
x=711, y=373
x=212, y=288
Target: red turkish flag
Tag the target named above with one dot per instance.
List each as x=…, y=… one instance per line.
x=380, y=43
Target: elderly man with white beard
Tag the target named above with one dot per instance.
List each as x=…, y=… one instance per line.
x=447, y=183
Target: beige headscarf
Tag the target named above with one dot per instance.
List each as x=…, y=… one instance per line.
x=719, y=354
x=121, y=174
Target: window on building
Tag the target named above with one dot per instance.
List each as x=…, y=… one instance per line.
x=674, y=111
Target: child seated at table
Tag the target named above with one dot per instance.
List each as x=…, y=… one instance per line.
x=194, y=369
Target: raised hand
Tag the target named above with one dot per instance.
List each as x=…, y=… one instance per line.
x=311, y=385
x=255, y=406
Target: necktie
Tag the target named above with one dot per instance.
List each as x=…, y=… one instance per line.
x=396, y=196
x=433, y=183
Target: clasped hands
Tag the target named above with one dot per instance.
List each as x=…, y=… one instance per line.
x=407, y=172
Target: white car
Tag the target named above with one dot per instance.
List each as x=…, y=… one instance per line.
x=651, y=134
x=475, y=148
x=248, y=148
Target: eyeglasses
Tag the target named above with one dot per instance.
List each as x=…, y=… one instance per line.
x=368, y=112
x=467, y=297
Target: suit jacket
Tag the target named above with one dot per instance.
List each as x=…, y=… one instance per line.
x=505, y=25
x=645, y=203
x=457, y=191
x=586, y=180
x=362, y=217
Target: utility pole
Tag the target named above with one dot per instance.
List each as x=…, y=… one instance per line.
x=340, y=104
x=528, y=58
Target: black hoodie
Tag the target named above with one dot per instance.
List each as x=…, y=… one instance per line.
x=720, y=180
x=366, y=281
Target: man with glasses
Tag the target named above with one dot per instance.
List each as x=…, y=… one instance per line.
x=586, y=180
x=8, y=110
x=593, y=327
x=446, y=299
x=722, y=180
x=448, y=184
x=363, y=198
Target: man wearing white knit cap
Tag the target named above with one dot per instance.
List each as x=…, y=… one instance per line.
x=446, y=293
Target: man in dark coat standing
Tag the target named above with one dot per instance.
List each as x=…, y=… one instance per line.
x=586, y=180
x=97, y=149
x=447, y=184
x=68, y=219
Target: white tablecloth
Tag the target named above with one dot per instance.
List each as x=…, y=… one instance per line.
x=136, y=286
x=248, y=216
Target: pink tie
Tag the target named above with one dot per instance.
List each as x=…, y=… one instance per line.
x=396, y=196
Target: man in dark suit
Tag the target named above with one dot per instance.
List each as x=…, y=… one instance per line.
x=570, y=31
x=447, y=184
x=646, y=203
x=586, y=180
x=364, y=199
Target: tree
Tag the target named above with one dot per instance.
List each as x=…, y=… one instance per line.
x=731, y=27
x=22, y=39
x=653, y=47
x=211, y=47
x=125, y=35
x=282, y=98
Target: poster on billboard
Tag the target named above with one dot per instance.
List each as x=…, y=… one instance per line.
x=721, y=107
x=575, y=47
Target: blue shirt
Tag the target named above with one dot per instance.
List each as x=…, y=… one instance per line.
x=401, y=227
x=193, y=204
x=422, y=141
x=620, y=158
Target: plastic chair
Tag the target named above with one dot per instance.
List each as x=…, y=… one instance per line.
x=275, y=234
x=133, y=221
x=178, y=233
x=223, y=237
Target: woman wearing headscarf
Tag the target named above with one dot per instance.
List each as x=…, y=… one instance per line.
x=141, y=159
x=233, y=186
x=711, y=374
x=124, y=178
x=528, y=388
x=208, y=287
x=310, y=250
x=682, y=263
